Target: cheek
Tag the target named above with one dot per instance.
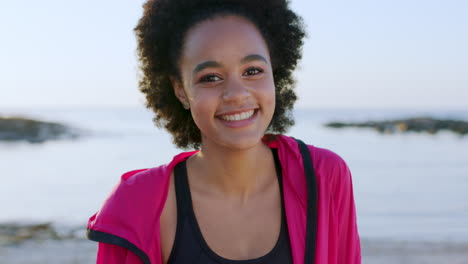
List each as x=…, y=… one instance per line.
x=269, y=102
x=272, y=96
x=269, y=94
x=203, y=107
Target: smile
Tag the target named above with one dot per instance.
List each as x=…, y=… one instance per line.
x=239, y=116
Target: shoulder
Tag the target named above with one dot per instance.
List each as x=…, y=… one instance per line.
x=138, y=196
x=327, y=164
x=138, y=184
x=145, y=186
x=326, y=159
x=323, y=159
x=332, y=170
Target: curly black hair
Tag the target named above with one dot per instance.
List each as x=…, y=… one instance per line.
x=160, y=36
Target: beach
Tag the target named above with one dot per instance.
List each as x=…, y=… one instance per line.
x=405, y=252
x=409, y=189
x=81, y=251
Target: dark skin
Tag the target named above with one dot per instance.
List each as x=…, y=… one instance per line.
x=232, y=230
x=233, y=183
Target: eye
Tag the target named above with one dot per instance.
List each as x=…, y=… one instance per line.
x=209, y=78
x=252, y=71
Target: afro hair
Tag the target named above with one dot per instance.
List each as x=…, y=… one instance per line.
x=160, y=36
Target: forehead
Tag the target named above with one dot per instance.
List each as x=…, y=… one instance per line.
x=227, y=37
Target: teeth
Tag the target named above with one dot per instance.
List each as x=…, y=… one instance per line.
x=238, y=117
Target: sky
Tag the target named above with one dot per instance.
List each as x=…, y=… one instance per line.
x=358, y=54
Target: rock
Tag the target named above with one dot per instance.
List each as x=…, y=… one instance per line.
x=417, y=124
x=33, y=131
x=16, y=233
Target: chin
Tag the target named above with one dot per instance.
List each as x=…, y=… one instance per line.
x=239, y=143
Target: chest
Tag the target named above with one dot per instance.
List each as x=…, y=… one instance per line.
x=230, y=230
x=239, y=232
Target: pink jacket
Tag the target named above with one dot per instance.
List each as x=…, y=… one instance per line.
x=127, y=225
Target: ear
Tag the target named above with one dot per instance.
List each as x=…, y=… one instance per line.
x=180, y=92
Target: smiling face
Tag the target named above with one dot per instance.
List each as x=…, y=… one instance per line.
x=227, y=81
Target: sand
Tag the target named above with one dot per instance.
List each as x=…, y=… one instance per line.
x=404, y=252
x=81, y=251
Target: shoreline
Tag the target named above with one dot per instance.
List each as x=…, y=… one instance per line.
x=378, y=251
x=414, y=252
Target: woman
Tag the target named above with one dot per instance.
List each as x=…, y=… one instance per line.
x=217, y=74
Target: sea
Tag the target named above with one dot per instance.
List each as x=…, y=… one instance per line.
x=407, y=186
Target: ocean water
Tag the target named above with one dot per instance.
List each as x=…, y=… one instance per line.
x=406, y=186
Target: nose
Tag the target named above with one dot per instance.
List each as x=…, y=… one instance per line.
x=235, y=91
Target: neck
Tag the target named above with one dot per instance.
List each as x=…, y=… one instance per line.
x=233, y=174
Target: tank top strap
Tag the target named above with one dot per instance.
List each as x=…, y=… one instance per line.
x=182, y=191
x=278, y=169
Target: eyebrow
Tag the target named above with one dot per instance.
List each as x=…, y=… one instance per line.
x=253, y=57
x=213, y=64
x=207, y=64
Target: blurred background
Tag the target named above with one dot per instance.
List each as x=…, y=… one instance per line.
x=68, y=76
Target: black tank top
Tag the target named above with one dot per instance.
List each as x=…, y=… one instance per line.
x=191, y=248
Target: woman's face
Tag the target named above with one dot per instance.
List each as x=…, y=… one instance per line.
x=228, y=82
